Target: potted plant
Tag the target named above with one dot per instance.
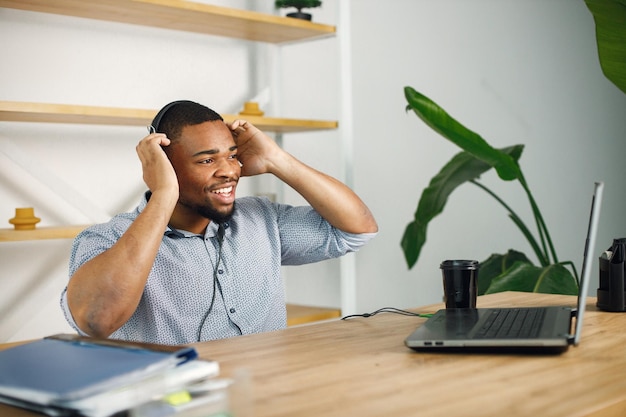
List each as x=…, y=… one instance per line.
x=298, y=4
x=500, y=272
x=512, y=271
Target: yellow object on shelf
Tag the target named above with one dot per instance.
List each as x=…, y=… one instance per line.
x=24, y=219
x=251, y=108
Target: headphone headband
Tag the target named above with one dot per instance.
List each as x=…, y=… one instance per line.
x=154, y=126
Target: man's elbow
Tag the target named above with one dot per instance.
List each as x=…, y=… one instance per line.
x=94, y=325
x=368, y=223
x=92, y=320
x=372, y=226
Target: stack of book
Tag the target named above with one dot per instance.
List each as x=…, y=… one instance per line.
x=68, y=375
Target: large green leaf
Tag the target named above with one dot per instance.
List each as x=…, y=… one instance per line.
x=496, y=265
x=556, y=279
x=463, y=167
x=552, y=279
x=610, y=20
x=440, y=121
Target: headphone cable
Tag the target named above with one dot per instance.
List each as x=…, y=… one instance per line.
x=220, y=241
x=388, y=310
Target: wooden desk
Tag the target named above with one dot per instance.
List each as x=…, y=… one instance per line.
x=360, y=367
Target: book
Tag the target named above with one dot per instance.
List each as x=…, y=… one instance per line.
x=68, y=374
x=180, y=379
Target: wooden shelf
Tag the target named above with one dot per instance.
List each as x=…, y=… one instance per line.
x=184, y=15
x=12, y=111
x=67, y=232
x=300, y=314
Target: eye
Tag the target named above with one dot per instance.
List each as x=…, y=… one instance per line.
x=233, y=156
x=206, y=161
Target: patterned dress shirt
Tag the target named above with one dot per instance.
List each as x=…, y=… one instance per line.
x=178, y=305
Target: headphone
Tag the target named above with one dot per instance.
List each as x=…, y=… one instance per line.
x=154, y=126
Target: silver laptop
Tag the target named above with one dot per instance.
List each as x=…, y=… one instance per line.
x=523, y=330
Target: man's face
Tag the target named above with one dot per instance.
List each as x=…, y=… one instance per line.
x=205, y=161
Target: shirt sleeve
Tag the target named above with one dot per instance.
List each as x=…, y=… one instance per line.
x=306, y=237
x=96, y=239
x=88, y=244
x=68, y=314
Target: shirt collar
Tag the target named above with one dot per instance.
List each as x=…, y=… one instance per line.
x=211, y=230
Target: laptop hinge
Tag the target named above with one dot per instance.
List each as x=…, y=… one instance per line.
x=571, y=338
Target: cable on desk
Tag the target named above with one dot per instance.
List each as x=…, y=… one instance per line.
x=388, y=310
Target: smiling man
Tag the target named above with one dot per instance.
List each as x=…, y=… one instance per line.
x=194, y=263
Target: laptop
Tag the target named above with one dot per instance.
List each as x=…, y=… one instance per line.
x=539, y=329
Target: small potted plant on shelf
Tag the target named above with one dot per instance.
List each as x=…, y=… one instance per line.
x=298, y=4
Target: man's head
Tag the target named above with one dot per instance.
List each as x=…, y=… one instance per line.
x=203, y=153
x=174, y=116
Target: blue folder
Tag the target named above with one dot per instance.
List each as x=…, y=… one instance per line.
x=64, y=368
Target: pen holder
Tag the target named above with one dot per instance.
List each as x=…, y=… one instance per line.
x=611, y=296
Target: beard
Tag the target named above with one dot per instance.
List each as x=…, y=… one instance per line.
x=214, y=215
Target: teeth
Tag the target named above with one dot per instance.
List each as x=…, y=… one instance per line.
x=226, y=190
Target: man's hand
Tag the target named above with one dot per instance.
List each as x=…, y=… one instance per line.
x=158, y=173
x=255, y=150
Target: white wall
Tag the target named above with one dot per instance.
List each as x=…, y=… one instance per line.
x=515, y=72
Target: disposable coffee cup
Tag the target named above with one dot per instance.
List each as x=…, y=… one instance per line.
x=459, y=283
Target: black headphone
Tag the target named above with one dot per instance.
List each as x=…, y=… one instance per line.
x=154, y=126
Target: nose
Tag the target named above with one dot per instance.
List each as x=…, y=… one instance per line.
x=228, y=168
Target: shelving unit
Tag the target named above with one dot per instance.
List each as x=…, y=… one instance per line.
x=166, y=14
x=169, y=15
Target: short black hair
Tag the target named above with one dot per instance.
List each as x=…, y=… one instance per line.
x=173, y=117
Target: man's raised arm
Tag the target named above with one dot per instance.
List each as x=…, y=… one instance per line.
x=105, y=291
x=332, y=199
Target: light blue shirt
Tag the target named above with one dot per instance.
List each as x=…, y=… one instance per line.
x=260, y=237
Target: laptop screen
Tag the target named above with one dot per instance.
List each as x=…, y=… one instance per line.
x=590, y=245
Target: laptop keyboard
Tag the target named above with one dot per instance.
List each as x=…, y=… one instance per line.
x=512, y=323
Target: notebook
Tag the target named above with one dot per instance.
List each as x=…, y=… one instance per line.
x=74, y=375
x=539, y=329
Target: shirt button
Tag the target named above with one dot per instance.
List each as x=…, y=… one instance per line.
x=232, y=310
x=220, y=271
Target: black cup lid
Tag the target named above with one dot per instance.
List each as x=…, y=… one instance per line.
x=459, y=264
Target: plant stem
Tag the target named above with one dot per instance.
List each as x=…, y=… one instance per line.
x=541, y=225
x=541, y=256
x=571, y=264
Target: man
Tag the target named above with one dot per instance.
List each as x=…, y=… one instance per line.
x=192, y=263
